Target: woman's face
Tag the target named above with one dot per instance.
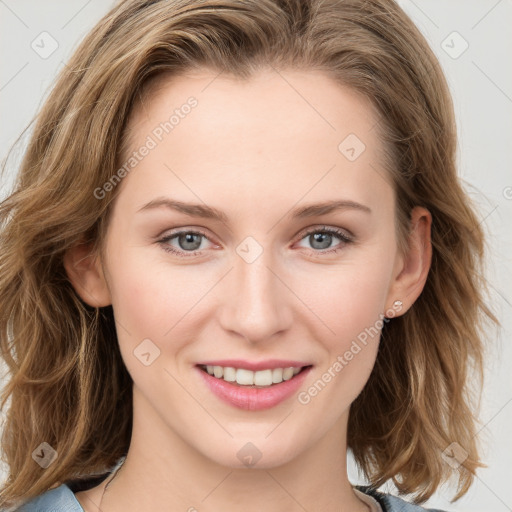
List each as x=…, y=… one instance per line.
x=221, y=251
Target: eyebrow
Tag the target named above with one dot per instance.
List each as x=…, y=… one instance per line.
x=208, y=212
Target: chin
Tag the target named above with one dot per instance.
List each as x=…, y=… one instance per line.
x=254, y=452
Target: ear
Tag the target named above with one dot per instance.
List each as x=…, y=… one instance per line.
x=85, y=272
x=411, y=269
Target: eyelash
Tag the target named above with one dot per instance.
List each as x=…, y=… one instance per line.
x=164, y=242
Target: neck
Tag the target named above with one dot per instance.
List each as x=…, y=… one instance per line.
x=163, y=472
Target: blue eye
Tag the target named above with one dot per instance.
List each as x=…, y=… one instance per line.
x=189, y=242
x=321, y=239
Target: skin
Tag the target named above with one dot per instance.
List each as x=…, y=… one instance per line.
x=255, y=150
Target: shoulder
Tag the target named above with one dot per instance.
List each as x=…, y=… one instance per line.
x=390, y=503
x=60, y=499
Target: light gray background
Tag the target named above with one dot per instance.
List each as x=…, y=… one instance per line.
x=481, y=82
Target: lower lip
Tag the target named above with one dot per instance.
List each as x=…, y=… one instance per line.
x=254, y=398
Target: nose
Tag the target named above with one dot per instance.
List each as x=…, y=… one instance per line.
x=256, y=303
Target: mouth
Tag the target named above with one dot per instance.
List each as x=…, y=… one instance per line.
x=266, y=386
x=244, y=378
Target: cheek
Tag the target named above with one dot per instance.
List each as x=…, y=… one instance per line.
x=153, y=301
x=351, y=308
x=349, y=300
x=149, y=296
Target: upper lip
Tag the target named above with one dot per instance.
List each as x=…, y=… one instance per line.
x=255, y=365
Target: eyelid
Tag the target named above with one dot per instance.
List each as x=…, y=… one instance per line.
x=341, y=232
x=343, y=235
x=170, y=232
x=166, y=236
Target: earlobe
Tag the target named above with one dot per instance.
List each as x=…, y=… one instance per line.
x=414, y=266
x=85, y=273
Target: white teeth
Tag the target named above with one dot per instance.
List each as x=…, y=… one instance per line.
x=287, y=373
x=230, y=374
x=277, y=375
x=263, y=378
x=245, y=377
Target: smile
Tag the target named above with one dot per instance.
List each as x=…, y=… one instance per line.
x=244, y=377
x=253, y=390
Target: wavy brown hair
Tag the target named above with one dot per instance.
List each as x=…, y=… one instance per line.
x=67, y=383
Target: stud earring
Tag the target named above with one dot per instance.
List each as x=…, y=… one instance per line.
x=397, y=306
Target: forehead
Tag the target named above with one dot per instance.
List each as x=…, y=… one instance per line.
x=225, y=100
x=278, y=130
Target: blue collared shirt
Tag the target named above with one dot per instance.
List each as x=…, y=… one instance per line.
x=62, y=499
